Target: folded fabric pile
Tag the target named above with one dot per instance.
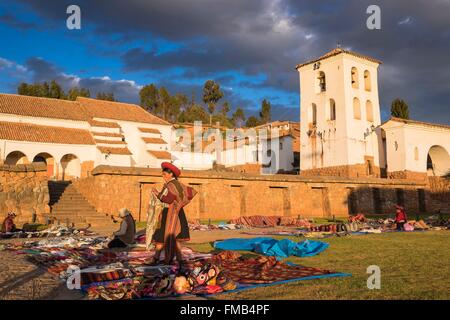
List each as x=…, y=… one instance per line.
x=270, y=221
x=196, y=225
x=53, y=231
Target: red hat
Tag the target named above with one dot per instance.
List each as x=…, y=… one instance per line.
x=171, y=167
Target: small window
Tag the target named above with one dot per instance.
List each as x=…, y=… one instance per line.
x=369, y=111
x=367, y=81
x=281, y=145
x=313, y=114
x=356, y=109
x=322, y=81
x=332, y=109
x=355, y=82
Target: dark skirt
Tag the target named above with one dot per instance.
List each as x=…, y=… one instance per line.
x=158, y=236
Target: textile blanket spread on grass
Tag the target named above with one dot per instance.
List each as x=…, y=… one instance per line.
x=271, y=247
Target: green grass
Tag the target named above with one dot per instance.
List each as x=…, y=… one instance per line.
x=413, y=266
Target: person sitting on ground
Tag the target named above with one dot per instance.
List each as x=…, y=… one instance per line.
x=127, y=233
x=8, y=224
x=400, y=217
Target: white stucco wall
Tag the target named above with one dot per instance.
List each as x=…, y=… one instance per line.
x=409, y=137
x=342, y=140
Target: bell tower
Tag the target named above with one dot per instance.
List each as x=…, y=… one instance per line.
x=339, y=115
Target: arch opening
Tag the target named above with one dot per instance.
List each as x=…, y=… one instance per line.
x=356, y=109
x=70, y=167
x=49, y=161
x=367, y=81
x=15, y=158
x=438, y=161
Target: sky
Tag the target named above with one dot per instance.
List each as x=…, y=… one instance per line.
x=250, y=47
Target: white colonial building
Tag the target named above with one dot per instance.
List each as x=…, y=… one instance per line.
x=341, y=125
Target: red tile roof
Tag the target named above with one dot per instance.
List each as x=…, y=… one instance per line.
x=118, y=111
x=107, y=134
x=149, y=130
x=109, y=141
x=123, y=151
x=104, y=124
x=421, y=123
x=41, y=107
x=154, y=140
x=160, y=154
x=47, y=134
x=337, y=51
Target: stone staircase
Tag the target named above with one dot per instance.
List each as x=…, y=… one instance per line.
x=68, y=205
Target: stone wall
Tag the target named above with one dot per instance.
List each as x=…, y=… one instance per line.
x=24, y=190
x=350, y=171
x=226, y=195
x=406, y=174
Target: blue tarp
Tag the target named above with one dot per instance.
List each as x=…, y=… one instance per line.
x=271, y=247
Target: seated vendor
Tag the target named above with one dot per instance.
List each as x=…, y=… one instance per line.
x=127, y=232
x=8, y=224
x=400, y=217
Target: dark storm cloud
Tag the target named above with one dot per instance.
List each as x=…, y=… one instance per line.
x=41, y=70
x=271, y=37
x=12, y=21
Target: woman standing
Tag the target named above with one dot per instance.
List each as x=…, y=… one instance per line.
x=400, y=217
x=172, y=226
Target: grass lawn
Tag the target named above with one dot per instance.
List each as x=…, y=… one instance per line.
x=413, y=266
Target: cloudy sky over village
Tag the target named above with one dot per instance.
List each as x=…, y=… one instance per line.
x=250, y=47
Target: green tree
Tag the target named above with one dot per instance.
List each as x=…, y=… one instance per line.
x=226, y=108
x=165, y=101
x=193, y=113
x=149, y=96
x=223, y=120
x=75, y=92
x=238, y=117
x=252, y=122
x=400, y=109
x=211, y=95
x=108, y=96
x=265, y=112
x=56, y=92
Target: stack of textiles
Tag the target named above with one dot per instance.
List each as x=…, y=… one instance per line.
x=271, y=221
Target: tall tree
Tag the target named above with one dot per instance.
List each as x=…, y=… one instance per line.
x=165, y=101
x=193, y=113
x=56, y=92
x=211, y=95
x=265, y=112
x=75, y=92
x=108, y=96
x=238, y=117
x=149, y=96
x=226, y=108
x=252, y=122
x=400, y=109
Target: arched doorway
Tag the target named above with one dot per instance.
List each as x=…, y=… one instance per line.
x=48, y=160
x=438, y=161
x=70, y=167
x=15, y=158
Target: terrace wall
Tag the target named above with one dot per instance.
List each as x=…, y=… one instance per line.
x=226, y=195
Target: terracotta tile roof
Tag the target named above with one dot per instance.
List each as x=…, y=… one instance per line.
x=41, y=107
x=422, y=123
x=107, y=134
x=149, y=130
x=154, y=140
x=160, y=154
x=335, y=52
x=111, y=150
x=47, y=134
x=103, y=124
x=118, y=111
x=109, y=141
